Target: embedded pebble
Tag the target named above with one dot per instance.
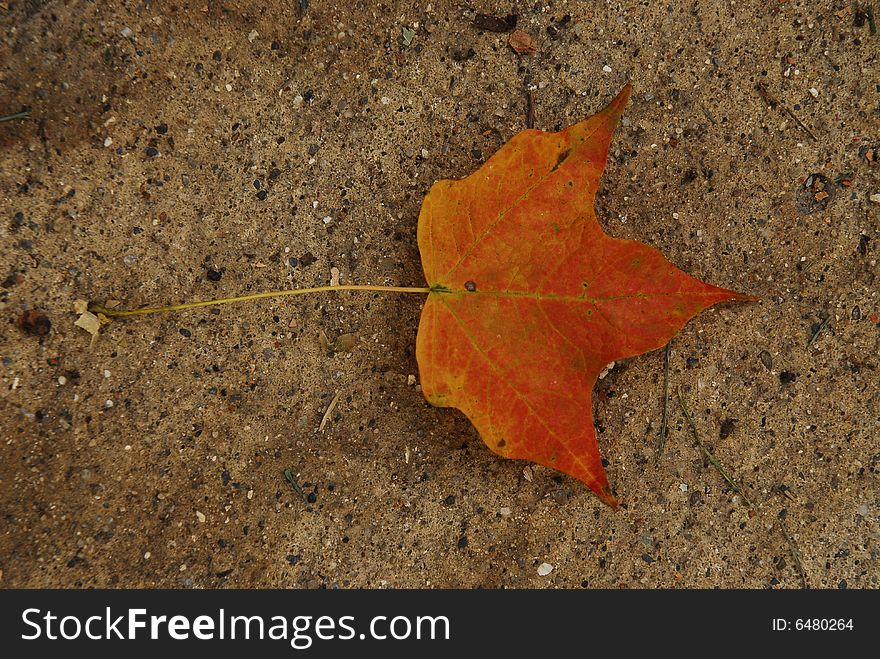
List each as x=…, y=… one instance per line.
x=201, y=516
x=544, y=569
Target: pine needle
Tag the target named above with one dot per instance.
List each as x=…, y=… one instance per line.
x=709, y=456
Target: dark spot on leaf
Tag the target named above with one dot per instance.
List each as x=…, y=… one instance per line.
x=470, y=286
x=502, y=443
x=560, y=160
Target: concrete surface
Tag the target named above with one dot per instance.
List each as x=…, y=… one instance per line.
x=182, y=151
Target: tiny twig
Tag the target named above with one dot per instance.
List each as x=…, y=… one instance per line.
x=530, y=108
x=818, y=331
x=664, y=417
x=24, y=114
x=793, y=548
x=773, y=102
x=709, y=456
x=872, y=24
x=329, y=411
x=116, y=313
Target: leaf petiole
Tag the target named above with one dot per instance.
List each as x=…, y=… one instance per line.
x=145, y=311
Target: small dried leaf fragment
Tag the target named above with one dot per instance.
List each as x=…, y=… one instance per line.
x=89, y=322
x=522, y=42
x=34, y=322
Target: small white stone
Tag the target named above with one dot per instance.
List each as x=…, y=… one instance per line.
x=504, y=511
x=253, y=35
x=606, y=69
x=108, y=141
x=106, y=373
x=201, y=516
x=544, y=569
x=228, y=87
x=147, y=555
x=606, y=371
x=683, y=487
x=876, y=198
x=108, y=403
x=126, y=32
x=814, y=92
x=62, y=380
x=327, y=220
x=250, y=494
x=410, y=379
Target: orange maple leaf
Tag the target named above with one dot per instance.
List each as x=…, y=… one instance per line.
x=530, y=299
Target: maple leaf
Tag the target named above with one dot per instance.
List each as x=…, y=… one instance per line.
x=530, y=299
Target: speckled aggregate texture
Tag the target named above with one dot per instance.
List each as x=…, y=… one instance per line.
x=180, y=151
